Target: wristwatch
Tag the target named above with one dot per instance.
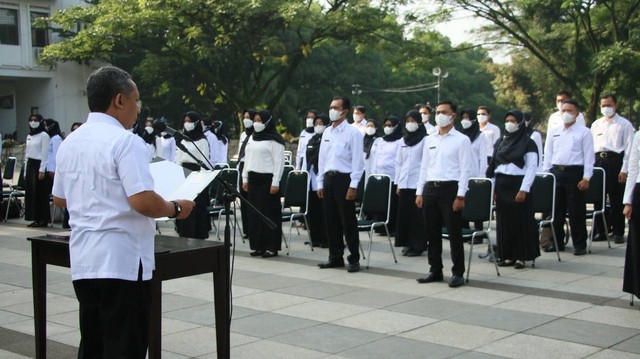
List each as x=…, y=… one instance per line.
x=178, y=209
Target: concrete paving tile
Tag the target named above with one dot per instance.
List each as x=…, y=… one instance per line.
x=478, y=296
x=10, y=355
x=329, y=338
x=574, y=265
x=361, y=279
x=173, y=302
x=70, y=319
x=200, y=314
x=545, y=275
x=433, y=308
x=270, y=301
x=27, y=327
x=55, y=305
x=189, y=283
x=523, y=282
x=269, y=282
x=631, y=345
x=7, y=317
x=544, y=305
x=529, y=346
x=318, y=290
x=313, y=273
x=385, y=322
x=588, y=290
x=239, y=291
x=505, y=319
x=170, y=326
x=613, y=354
x=466, y=336
x=273, y=350
x=169, y=355
x=322, y=310
x=267, y=325
x=476, y=355
x=19, y=296
x=373, y=298
x=8, y=288
x=628, y=318
x=62, y=288
x=69, y=338
x=414, y=288
x=199, y=341
x=582, y=332
x=394, y=347
x=240, y=312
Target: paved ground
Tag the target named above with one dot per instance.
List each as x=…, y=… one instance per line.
x=286, y=307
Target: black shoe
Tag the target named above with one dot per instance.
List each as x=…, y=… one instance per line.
x=518, y=265
x=431, y=277
x=256, y=253
x=553, y=249
x=353, y=267
x=269, y=254
x=456, y=281
x=618, y=239
x=600, y=237
x=580, y=252
x=413, y=253
x=331, y=264
x=505, y=263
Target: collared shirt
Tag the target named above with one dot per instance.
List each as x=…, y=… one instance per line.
x=383, y=160
x=341, y=150
x=101, y=165
x=634, y=169
x=166, y=148
x=528, y=171
x=537, y=139
x=217, y=149
x=301, y=153
x=571, y=146
x=431, y=129
x=264, y=157
x=555, y=121
x=614, y=135
x=446, y=158
x=478, y=157
x=54, y=144
x=361, y=126
x=243, y=136
x=38, y=149
x=201, y=153
x=407, y=169
x=492, y=134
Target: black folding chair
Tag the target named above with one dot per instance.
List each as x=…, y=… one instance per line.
x=9, y=171
x=544, y=202
x=597, y=192
x=16, y=191
x=216, y=193
x=296, y=194
x=283, y=179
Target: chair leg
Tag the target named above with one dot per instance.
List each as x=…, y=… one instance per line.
x=555, y=241
x=6, y=215
x=631, y=300
x=495, y=259
x=473, y=236
x=306, y=223
x=370, y=245
x=606, y=231
x=390, y=244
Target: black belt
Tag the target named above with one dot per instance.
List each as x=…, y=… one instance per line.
x=441, y=183
x=609, y=154
x=568, y=168
x=336, y=173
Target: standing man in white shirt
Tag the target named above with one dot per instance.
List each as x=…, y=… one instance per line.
x=612, y=138
x=304, y=138
x=555, y=120
x=442, y=185
x=103, y=178
x=359, y=118
x=569, y=156
x=488, y=129
x=340, y=167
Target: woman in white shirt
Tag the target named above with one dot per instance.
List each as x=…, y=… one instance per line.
x=247, y=123
x=631, y=200
x=36, y=199
x=263, y=167
x=369, y=138
x=197, y=225
x=410, y=227
x=514, y=164
x=166, y=146
x=315, y=215
x=220, y=146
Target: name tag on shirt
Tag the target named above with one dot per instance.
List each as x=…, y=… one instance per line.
x=556, y=135
x=431, y=148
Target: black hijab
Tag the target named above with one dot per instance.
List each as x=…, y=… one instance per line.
x=220, y=132
x=197, y=133
x=368, y=141
x=37, y=130
x=313, y=146
x=513, y=146
x=397, y=129
x=413, y=138
x=474, y=131
x=53, y=127
x=527, y=118
x=248, y=131
x=149, y=138
x=269, y=133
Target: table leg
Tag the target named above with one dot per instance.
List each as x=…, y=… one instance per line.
x=155, y=320
x=221, y=286
x=39, y=277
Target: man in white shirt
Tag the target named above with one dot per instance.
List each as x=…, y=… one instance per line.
x=102, y=177
x=488, y=129
x=305, y=135
x=442, y=185
x=359, y=118
x=340, y=167
x=425, y=113
x=555, y=120
x=569, y=156
x=612, y=138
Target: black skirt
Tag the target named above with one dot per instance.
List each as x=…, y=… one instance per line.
x=261, y=237
x=36, y=194
x=244, y=213
x=197, y=225
x=631, y=282
x=516, y=226
x=410, y=227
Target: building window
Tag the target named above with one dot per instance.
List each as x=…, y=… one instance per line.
x=39, y=36
x=9, y=27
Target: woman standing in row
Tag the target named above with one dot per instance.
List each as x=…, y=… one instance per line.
x=263, y=167
x=247, y=123
x=315, y=215
x=36, y=198
x=166, y=145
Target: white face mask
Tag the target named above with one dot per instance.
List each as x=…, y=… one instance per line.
x=259, y=126
x=34, y=124
x=334, y=115
x=370, y=131
x=483, y=118
x=567, y=117
x=559, y=105
x=425, y=118
x=149, y=129
x=319, y=129
x=511, y=127
x=357, y=118
x=247, y=123
x=411, y=126
x=465, y=123
x=189, y=126
x=309, y=122
x=163, y=134
x=608, y=111
x=443, y=120
x=389, y=130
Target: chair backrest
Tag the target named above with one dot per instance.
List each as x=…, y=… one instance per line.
x=360, y=189
x=233, y=163
x=596, y=190
x=543, y=192
x=220, y=165
x=229, y=175
x=283, y=179
x=9, y=169
x=478, y=201
x=377, y=196
x=21, y=181
x=296, y=191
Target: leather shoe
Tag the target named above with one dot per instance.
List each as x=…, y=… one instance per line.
x=618, y=239
x=353, y=267
x=599, y=238
x=431, y=277
x=456, y=281
x=256, y=253
x=331, y=264
x=580, y=252
x=413, y=254
x=552, y=249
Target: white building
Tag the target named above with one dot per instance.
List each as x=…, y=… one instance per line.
x=27, y=87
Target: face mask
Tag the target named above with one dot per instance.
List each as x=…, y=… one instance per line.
x=334, y=115
x=34, y=124
x=483, y=118
x=259, y=126
x=559, y=105
x=357, y=118
x=443, y=120
x=411, y=126
x=163, y=134
x=608, y=111
x=389, y=130
x=149, y=129
x=309, y=122
x=247, y=123
x=465, y=124
x=511, y=127
x=189, y=126
x=319, y=129
x=370, y=131
x=567, y=117
x=425, y=118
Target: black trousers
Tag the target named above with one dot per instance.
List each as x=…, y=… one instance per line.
x=410, y=229
x=437, y=209
x=244, y=212
x=315, y=218
x=36, y=194
x=612, y=165
x=631, y=282
x=340, y=215
x=568, y=196
x=114, y=318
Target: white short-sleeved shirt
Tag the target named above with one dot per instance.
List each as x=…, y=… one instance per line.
x=99, y=166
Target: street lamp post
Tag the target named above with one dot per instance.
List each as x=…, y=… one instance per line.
x=441, y=75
